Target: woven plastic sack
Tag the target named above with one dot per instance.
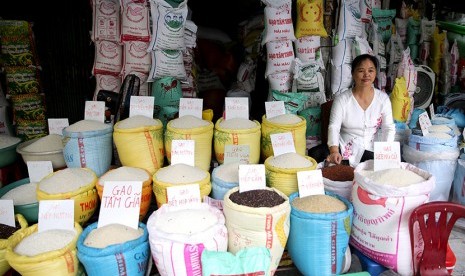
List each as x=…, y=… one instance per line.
x=400, y=100
x=283, y=179
x=85, y=199
x=263, y=227
x=223, y=137
x=298, y=134
x=129, y=258
x=63, y=261
x=202, y=136
x=146, y=196
x=89, y=149
x=159, y=188
x=458, y=185
x=4, y=265
x=140, y=147
x=176, y=253
x=432, y=144
x=318, y=241
x=219, y=186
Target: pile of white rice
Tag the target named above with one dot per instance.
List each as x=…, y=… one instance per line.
x=439, y=128
x=319, y=204
x=112, y=234
x=52, y=142
x=124, y=173
x=138, y=121
x=67, y=180
x=188, y=122
x=180, y=173
x=186, y=222
x=286, y=119
x=290, y=160
x=237, y=123
x=439, y=135
x=86, y=125
x=397, y=177
x=228, y=172
x=46, y=241
x=7, y=141
x=24, y=194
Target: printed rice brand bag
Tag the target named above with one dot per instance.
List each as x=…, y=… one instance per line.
x=30, y=129
x=400, y=100
x=280, y=55
x=307, y=47
x=263, y=227
x=22, y=80
x=129, y=258
x=63, y=261
x=4, y=265
x=381, y=213
x=177, y=246
x=349, y=21
x=135, y=57
x=106, y=82
x=312, y=115
x=167, y=63
x=108, y=58
x=293, y=101
x=135, y=21
x=18, y=47
x=310, y=18
x=278, y=21
x=384, y=20
x=168, y=25
x=106, y=20
x=28, y=106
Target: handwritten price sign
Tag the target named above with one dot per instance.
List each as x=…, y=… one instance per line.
x=56, y=126
x=7, y=213
x=141, y=105
x=95, y=110
x=425, y=123
x=274, y=108
x=56, y=214
x=282, y=143
x=310, y=183
x=38, y=170
x=190, y=106
x=386, y=155
x=183, y=151
x=236, y=107
x=236, y=153
x=183, y=195
x=251, y=177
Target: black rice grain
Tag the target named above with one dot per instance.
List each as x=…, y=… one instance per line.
x=257, y=198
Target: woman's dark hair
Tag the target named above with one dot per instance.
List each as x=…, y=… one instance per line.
x=358, y=59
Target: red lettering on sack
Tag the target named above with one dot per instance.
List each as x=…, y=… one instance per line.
x=269, y=230
x=82, y=152
x=151, y=150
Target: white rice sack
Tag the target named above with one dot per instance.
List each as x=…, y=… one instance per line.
x=111, y=234
x=237, y=123
x=106, y=82
x=342, y=53
x=395, y=49
x=401, y=28
x=167, y=63
x=188, y=122
x=135, y=21
x=138, y=121
x=306, y=47
x=66, y=180
x=395, y=177
x=136, y=58
x=168, y=25
x=360, y=46
x=341, y=78
x=427, y=28
x=407, y=70
x=125, y=173
x=349, y=21
x=186, y=222
x=228, y=172
x=314, y=99
x=290, y=160
x=381, y=81
x=281, y=82
x=8, y=141
x=286, y=119
x=108, y=58
x=366, y=10
x=51, y=142
x=278, y=22
x=280, y=55
x=24, y=194
x=86, y=125
x=383, y=18
x=180, y=173
x=106, y=20
x=42, y=242
x=307, y=77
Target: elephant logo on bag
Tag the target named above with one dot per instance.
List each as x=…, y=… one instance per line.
x=367, y=199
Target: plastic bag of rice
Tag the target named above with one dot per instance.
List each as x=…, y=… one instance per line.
x=191, y=128
x=179, y=174
x=295, y=124
x=51, y=252
x=126, y=173
x=281, y=171
x=237, y=131
x=71, y=183
x=23, y=194
x=97, y=248
x=224, y=177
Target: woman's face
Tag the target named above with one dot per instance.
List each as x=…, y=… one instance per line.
x=364, y=74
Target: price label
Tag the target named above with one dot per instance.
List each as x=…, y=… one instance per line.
x=386, y=155
x=310, y=183
x=56, y=214
x=425, y=123
x=56, y=126
x=274, y=108
x=251, y=177
x=236, y=107
x=7, y=212
x=120, y=203
x=95, y=110
x=183, y=151
x=190, y=106
x=236, y=154
x=38, y=170
x=183, y=195
x=141, y=105
x=282, y=143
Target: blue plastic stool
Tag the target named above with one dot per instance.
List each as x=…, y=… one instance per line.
x=368, y=264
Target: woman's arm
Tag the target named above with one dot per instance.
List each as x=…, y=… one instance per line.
x=334, y=127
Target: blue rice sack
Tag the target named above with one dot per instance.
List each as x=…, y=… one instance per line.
x=432, y=144
x=220, y=186
x=129, y=258
x=318, y=241
x=458, y=185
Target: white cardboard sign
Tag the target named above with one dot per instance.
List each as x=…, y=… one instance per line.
x=190, y=106
x=236, y=153
x=7, y=212
x=183, y=151
x=282, y=143
x=142, y=105
x=95, y=110
x=274, y=108
x=386, y=155
x=425, y=123
x=251, y=177
x=183, y=195
x=56, y=214
x=236, y=107
x=56, y=126
x=310, y=183
x=38, y=170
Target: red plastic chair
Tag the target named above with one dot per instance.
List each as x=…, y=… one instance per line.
x=435, y=234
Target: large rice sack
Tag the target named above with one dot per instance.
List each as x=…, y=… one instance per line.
x=88, y=144
x=281, y=171
x=130, y=174
x=77, y=184
x=237, y=131
x=179, y=174
x=5, y=233
x=295, y=124
x=266, y=225
x=191, y=128
x=382, y=207
x=178, y=236
x=139, y=142
x=400, y=101
x=129, y=257
x=319, y=233
x=338, y=179
x=60, y=261
x=433, y=142
x=224, y=177
x=458, y=184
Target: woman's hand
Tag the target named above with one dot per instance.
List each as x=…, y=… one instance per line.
x=334, y=157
